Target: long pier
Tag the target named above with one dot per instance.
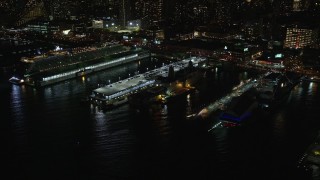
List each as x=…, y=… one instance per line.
x=118, y=91
x=236, y=91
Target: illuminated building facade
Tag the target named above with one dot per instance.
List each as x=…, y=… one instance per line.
x=300, y=5
x=300, y=37
x=297, y=5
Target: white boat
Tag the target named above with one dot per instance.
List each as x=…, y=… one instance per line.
x=15, y=80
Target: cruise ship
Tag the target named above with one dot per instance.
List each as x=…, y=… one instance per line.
x=61, y=66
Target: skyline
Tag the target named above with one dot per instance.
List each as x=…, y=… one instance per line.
x=137, y=9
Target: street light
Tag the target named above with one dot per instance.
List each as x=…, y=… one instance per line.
x=109, y=81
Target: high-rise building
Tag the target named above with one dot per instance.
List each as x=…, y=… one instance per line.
x=33, y=9
x=281, y=6
x=297, y=5
x=112, y=7
x=297, y=37
x=62, y=9
x=222, y=11
x=150, y=12
x=124, y=12
x=192, y=12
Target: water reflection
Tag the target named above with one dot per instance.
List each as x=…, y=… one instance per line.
x=123, y=144
x=311, y=88
x=17, y=105
x=222, y=145
x=279, y=129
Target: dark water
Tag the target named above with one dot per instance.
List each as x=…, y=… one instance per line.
x=51, y=134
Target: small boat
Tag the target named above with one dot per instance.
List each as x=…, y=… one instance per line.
x=15, y=80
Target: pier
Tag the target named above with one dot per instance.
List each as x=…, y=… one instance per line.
x=220, y=103
x=117, y=92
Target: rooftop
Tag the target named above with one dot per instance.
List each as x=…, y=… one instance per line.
x=121, y=85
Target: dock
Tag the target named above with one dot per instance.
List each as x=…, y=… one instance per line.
x=225, y=100
x=117, y=92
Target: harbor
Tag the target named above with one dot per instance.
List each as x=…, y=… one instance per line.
x=60, y=111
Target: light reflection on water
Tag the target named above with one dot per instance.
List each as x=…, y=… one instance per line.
x=115, y=143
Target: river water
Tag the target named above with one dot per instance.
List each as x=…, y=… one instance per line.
x=50, y=133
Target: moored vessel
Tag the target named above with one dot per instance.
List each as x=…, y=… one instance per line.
x=59, y=67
